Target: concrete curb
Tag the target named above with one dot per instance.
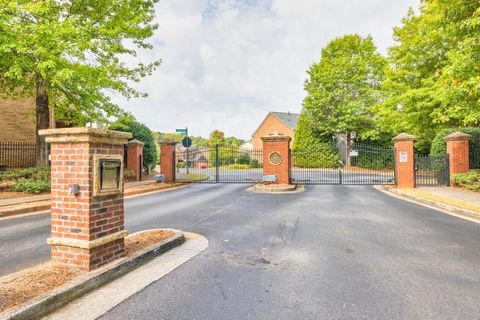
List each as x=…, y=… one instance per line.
x=53, y=300
x=44, y=205
x=449, y=209
x=261, y=188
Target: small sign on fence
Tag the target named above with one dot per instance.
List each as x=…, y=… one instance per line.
x=353, y=153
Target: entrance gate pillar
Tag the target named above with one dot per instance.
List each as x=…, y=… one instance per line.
x=458, y=153
x=167, y=159
x=276, y=157
x=135, y=158
x=87, y=207
x=404, y=160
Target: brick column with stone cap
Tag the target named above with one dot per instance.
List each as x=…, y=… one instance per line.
x=167, y=159
x=458, y=144
x=87, y=217
x=276, y=157
x=135, y=158
x=404, y=160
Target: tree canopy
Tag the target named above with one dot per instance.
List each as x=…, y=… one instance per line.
x=70, y=54
x=343, y=86
x=433, y=81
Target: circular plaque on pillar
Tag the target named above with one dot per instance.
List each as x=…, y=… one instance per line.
x=275, y=158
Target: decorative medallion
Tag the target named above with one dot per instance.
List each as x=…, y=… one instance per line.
x=275, y=158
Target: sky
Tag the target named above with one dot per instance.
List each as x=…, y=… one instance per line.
x=227, y=63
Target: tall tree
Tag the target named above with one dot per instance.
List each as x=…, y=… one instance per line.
x=67, y=53
x=433, y=81
x=216, y=137
x=343, y=86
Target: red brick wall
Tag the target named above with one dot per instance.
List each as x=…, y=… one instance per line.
x=167, y=161
x=405, y=170
x=270, y=125
x=83, y=216
x=458, y=151
x=281, y=170
x=135, y=159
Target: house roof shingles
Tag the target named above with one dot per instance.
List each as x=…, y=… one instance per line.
x=289, y=118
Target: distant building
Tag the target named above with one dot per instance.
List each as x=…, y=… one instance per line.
x=246, y=146
x=281, y=122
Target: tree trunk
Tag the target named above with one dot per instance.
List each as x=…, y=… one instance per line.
x=43, y=120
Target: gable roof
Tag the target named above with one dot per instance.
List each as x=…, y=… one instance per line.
x=289, y=118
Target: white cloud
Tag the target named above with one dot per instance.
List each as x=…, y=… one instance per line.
x=226, y=63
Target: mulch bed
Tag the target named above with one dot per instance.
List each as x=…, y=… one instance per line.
x=21, y=286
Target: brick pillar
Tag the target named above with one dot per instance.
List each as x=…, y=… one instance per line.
x=87, y=215
x=276, y=157
x=404, y=160
x=167, y=159
x=458, y=153
x=135, y=158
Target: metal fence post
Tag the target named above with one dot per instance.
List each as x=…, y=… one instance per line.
x=216, y=164
x=447, y=170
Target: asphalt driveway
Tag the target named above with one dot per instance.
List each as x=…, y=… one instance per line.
x=332, y=252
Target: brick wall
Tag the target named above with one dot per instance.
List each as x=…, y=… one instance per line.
x=83, y=216
x=270, y=125
x=17, y=118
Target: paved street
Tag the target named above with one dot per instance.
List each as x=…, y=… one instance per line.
x=331, y=252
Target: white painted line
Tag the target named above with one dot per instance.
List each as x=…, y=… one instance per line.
x=98, y=302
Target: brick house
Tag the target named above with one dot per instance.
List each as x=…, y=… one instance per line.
x=281, y=122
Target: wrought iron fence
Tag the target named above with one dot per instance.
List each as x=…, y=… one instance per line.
x=17, y=154
x=431, y=170
x=474, y=158
x=362, y=164
x=218, y=164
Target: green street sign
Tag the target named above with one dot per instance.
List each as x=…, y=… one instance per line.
x=183, y=132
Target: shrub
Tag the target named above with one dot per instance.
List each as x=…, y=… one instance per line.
x=31, y=186
x=320, y=155
x=142, y=133
x=373, y=157
x=255, y=164
x=439, y=147
x=469, y=180
x=238, y=166
x=129, y=174
x=244, y=158
x=28, y=180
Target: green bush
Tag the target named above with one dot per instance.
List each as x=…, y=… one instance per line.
x=375, y=157
x=439, y=147
x=31, y=186
x=469, y=180
x=238, y=166
x=28, y=180
x=141, y=132
x=321, y=155
x=254, y=164
x=244, y=158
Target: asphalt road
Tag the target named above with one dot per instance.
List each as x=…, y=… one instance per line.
x=332, y=252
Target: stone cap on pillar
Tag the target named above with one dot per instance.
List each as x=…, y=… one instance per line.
x=404, y=137
x=275, y=137
x=458, y=136
x=170, y=142
x=136, y=142
x=82, y=134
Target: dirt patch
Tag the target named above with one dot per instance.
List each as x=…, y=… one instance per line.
x=21, y=286
x=143, y=240
x=26, y=284
x=11, y=194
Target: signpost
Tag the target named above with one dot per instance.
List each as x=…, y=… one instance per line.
x=186, y=142
x=183, y=132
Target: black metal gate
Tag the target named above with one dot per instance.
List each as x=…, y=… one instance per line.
x=218, y=164
x=432, y=170
x=331, y=163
